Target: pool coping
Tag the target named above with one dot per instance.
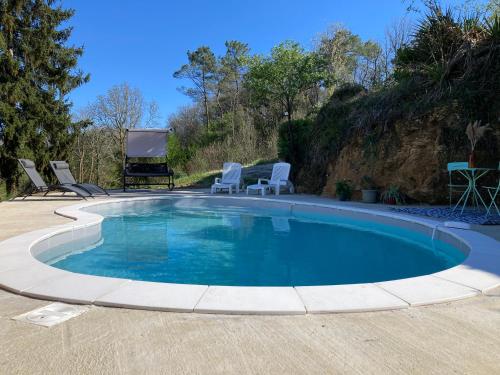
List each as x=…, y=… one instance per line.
x=22, y=273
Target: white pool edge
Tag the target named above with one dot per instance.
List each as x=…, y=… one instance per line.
x=22, y=273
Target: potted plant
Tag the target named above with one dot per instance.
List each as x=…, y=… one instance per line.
x=392, y=195
x=368, y=190
x=343, y=190
x=475, y=132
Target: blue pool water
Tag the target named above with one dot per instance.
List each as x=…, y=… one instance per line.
x=254, y=247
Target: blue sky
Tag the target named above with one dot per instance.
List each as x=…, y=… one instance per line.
x=144, y=42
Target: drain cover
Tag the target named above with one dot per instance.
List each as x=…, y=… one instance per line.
x=51, y=315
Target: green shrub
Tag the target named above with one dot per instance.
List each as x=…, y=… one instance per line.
x=178, y=156
x=343, y=190
x=293, y=141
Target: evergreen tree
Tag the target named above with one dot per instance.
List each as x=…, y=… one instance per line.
x=37, y=71
x=200, y=71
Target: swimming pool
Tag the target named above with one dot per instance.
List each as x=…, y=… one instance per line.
x=286, y=255
x=233, y=244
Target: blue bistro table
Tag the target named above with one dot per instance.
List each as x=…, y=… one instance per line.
x=471, y=192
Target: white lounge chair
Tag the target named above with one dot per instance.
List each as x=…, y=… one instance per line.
x=279, y=180
x=231, y=179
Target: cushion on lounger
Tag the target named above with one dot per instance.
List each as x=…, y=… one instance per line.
x=144, y=169
x=27, y=163
x=61, y=165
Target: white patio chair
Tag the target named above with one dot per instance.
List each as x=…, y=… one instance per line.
x=231, y=179
x=279, y=180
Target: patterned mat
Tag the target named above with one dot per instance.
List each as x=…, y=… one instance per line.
x=469, y=216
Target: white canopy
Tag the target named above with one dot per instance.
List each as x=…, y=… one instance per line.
x=147, y=143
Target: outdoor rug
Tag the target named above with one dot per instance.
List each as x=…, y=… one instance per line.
x=469, y=216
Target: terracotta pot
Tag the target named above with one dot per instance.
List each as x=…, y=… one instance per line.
x=472, y=160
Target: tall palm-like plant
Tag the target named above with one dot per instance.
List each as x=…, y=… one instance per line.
x=454, y=55
x=475, y=132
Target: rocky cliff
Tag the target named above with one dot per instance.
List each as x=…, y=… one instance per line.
x=412, y=155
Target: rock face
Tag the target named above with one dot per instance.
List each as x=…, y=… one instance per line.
x=412, y=156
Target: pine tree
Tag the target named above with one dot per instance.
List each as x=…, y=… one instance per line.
x=201, y=70
x=37, y=71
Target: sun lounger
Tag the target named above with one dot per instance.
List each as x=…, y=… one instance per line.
x=64, y=176
x=38, y=185
x=278, y=180
x=151, y=144
x=231, y=178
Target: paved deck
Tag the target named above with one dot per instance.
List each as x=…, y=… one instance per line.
x=458, y=337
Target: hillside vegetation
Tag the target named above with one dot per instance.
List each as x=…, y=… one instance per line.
x=391, y=111
x=404, y=132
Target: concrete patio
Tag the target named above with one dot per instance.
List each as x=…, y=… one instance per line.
x=459, y=337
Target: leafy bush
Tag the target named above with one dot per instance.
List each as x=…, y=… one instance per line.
x=293, y=141
x=178, y=156
x=343, y=190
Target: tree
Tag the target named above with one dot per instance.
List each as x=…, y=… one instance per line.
x=234, y=64
x=397, y=35
x=94, y=151
x=186, y=123
x=201, y=71
x=370, y=65
x=338, y=50
x=493, y=9
x=283, y=76
x=233, y=67
x=123, y=107
x=345, y=58
x=37, y=72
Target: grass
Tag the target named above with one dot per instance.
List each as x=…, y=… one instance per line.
x=197, y=180
x=262, y=161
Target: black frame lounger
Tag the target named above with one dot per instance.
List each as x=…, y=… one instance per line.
x=64, y=176
x=38, y=185
x=147, y=170
x=147, y=144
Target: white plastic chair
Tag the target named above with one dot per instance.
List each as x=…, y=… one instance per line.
x=231, y=178
x=279, y=179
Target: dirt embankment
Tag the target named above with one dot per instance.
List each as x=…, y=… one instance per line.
x=412, y=155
